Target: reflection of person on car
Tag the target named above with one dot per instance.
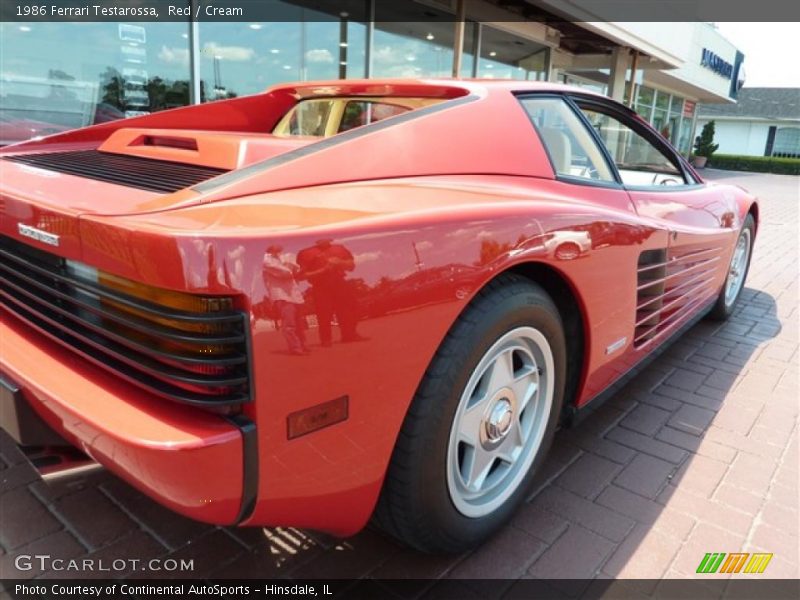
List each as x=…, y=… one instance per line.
x=325, y=265
x=287, y=300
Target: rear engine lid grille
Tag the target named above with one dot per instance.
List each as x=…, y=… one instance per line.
x=154, y=175
x=199, y=358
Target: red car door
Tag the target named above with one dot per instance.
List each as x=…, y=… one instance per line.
x=700, y=218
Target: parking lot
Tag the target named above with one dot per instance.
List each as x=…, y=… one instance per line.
x=697, y=454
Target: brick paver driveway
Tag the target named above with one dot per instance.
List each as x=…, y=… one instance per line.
x=698, y=454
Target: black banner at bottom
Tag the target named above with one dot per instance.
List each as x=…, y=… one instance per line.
x=443, y=589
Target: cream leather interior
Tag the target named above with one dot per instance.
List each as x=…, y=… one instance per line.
x=560, y=148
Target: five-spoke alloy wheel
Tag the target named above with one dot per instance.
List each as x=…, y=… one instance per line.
x=737, y=271
x=500, y=422
x=480, y=423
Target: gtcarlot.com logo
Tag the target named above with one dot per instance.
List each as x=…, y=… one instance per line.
x=45, y=562
x=735, y=562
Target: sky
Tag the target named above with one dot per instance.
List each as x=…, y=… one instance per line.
x=770, y=51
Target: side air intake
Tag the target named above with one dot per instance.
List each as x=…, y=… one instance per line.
x=670, y=283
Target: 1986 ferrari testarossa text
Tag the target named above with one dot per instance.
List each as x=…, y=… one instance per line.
x=342, y=300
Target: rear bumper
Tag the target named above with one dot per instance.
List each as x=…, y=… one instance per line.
x=188, y=460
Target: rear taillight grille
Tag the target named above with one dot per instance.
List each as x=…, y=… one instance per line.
x=191, y=357
x=131, y=171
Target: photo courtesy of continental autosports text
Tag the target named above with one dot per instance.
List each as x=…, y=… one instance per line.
x=179, y=590
x=399, y=299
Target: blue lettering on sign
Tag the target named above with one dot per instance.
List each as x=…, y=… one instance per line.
x=716, y=64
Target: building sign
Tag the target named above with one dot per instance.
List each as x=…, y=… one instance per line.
x=737, y=80
x=688, y=108
x=716, y=64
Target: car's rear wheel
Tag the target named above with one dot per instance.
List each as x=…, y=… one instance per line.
x=481, y=422
x=737, y=272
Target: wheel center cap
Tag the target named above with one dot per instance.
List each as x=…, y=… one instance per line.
x=499, y=420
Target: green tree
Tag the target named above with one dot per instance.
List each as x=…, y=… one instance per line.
x=704, y=143
x=113, y=85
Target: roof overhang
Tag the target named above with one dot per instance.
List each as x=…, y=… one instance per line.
x=582, y=15
x=685, y=88
x=659, y=58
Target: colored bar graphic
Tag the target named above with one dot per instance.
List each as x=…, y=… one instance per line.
x=710, y=562
x=713, y=562
x=734, y=562
x=702, y=566
x=717, y=563
x=758, y=562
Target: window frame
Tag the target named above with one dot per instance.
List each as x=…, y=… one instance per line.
x=574, y=100
x=616, y=112
x=616, y=184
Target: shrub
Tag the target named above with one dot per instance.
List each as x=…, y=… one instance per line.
x=759, y=164
x=704, y=143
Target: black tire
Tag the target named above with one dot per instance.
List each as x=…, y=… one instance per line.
x=723, y=308
x=415, y=506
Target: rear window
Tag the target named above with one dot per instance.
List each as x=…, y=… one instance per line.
x=323, y=117
x=309, y=118
x=360, y=112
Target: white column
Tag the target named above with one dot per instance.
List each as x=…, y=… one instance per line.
x=458, y=49
x=368, y=49
x=619, y=66
x=194, y=57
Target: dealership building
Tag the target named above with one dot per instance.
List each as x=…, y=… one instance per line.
x=763, y=122
x=60, y=75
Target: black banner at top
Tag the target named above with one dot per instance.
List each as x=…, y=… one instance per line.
x=547, y=11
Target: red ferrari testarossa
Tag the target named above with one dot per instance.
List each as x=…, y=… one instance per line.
x=339, y=300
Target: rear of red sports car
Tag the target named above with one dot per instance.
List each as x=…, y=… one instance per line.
x=132, y=303
x=233, y=305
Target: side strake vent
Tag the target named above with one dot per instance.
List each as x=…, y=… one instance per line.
x=649, y=293
x=669, y=286
x=154, y=175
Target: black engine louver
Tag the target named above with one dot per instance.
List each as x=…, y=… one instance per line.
x=131, y=171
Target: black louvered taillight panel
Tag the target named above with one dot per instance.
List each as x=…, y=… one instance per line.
x=132, y=171
x=191, y=357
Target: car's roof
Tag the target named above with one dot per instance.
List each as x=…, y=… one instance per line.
x=424, y=87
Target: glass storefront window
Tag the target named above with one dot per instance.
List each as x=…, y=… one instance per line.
x=245, y=58
x=662, y=100
x=685, y=136
x=659, y=121
x=66, y=75
x=674, y=119
x=507, y=56
x=665, y=113
x=645, y=96
x=787, y=142
x=413, y=49
x=471, y=38
x=585, y=83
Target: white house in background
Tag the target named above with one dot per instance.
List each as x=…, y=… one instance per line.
x=764, y=122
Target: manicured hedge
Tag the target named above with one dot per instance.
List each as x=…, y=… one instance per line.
x=760, y=164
